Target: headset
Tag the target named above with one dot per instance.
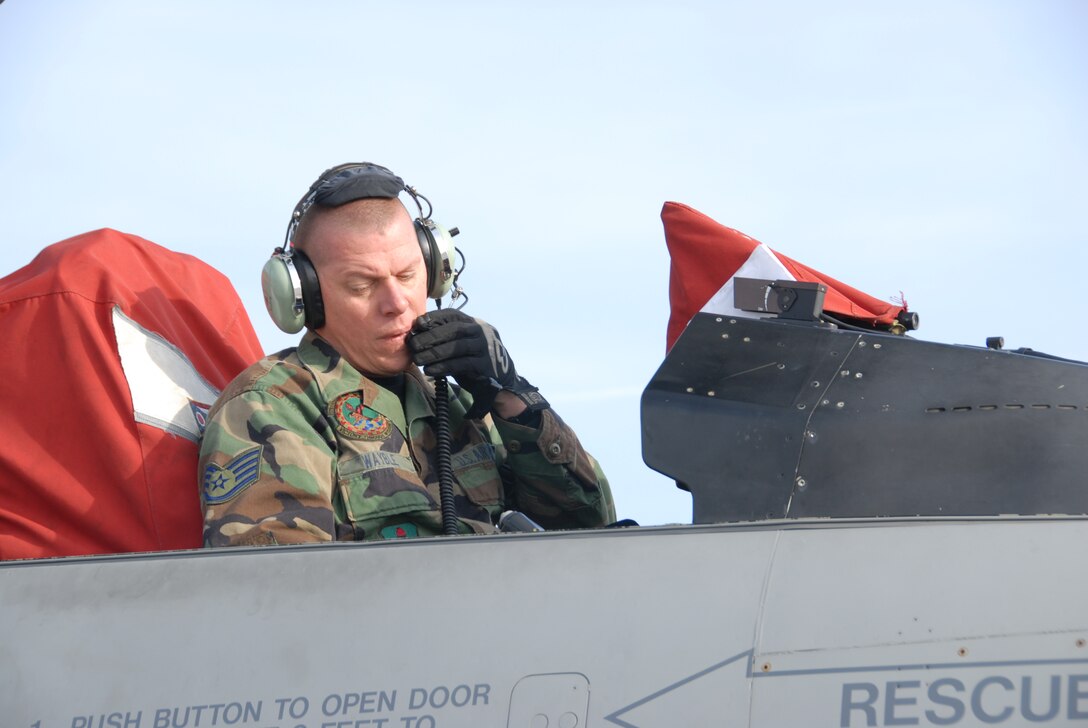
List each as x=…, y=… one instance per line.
x=292, y=291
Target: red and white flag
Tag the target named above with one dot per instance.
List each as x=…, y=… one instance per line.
x=708, y=256
x=115, y=349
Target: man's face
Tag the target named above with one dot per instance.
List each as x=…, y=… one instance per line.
x=374, y=285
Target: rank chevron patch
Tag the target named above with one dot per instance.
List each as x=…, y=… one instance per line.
x=221, y=483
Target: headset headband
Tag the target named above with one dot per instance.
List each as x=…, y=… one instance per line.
x=350, y=182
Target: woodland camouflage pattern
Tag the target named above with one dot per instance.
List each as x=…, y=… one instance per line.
x=302, y=448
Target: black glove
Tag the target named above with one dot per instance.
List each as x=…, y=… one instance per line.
x=448, y=342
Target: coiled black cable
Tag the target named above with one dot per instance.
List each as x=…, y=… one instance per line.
x=445, y=468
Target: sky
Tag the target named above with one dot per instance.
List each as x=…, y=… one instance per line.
x=933, y=149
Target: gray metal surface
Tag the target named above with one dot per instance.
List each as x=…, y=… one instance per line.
x=771, y=624
x=761, y=418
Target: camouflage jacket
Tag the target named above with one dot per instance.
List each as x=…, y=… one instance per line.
x=301, y=447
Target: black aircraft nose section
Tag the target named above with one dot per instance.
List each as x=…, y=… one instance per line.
x=766, y=418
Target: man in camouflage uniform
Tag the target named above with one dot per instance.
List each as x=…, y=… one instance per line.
x=336, y=439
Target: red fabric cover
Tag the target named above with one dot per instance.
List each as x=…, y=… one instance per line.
x=78, y=475
x=705, y=254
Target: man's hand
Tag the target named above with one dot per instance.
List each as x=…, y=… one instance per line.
x=448, y=342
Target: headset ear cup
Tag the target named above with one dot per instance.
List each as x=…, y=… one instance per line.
x=292, y=292
x=438, y=252
x=278, y=284
x=312, y=301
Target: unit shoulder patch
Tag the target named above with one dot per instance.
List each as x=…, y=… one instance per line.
x=357, y=421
